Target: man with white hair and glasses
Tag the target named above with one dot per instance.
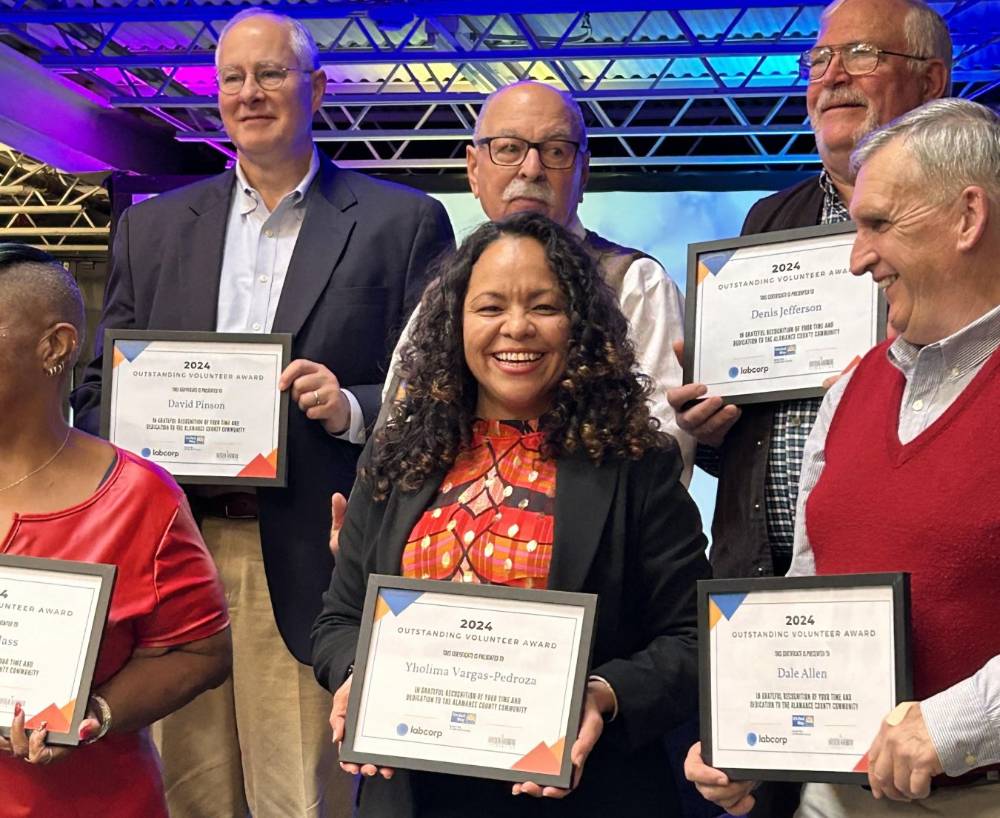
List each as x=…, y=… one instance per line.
x=900, y=471
x=284, y=242
x=873, y=60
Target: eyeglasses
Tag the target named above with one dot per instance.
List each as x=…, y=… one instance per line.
x=268, y=77
x=510, y=151
x=858, y=59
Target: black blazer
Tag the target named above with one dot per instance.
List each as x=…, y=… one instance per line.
x=359, y=263
x=627, y=531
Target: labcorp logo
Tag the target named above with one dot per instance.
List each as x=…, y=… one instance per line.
x=402, y=729
x=736, y=371
x=147, y=452
x=753, y=739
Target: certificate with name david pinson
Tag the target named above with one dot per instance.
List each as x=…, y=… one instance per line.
x=52, y=617
x=203, y=405
x=478, y=680
x=796, y=674
x=771, y=316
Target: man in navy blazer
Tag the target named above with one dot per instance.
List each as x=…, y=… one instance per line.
x=285, y=242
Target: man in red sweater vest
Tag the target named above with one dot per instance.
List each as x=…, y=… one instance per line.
x=900, y=472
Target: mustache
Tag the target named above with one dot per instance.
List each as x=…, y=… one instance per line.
x=521, y=189
x=841, y=96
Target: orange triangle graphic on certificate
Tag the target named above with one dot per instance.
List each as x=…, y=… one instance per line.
x=67, y=710
x=260, y=466
x=862, y=765
x=57, y=722
x=543, y=759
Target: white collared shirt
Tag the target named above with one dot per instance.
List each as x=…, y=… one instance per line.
x=259, y=246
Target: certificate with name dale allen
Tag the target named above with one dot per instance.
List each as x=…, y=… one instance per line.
x=770, y=317
x=478, y=680
x=797, y=674
x=203, y=405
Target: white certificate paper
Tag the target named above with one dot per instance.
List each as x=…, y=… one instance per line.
x=490, y=683
x=771, y=320
x=800, y=679
x=205, y=408
x=51, y=622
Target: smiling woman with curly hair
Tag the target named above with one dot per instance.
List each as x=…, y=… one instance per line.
x=523, y=454
x=599, y=405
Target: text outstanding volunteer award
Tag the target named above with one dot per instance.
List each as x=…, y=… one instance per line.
x=796, y=674
x=204, y=405
x=478, y=680
x=772, y=316
x=52, y=617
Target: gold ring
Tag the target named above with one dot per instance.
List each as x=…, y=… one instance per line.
x=316, y=398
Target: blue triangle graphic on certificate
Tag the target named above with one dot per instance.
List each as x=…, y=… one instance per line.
x=131, y=349
x=716, y=261
x=399, y=600
x=728, y=603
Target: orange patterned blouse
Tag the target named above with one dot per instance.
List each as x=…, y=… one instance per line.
x=492, y=519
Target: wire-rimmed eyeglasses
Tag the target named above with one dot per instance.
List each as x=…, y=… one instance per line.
x=858, y=59
x=268, y=77
x=510, y=151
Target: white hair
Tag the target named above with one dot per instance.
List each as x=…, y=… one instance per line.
x=926, y=35
x=299, y=37
x=955, y=142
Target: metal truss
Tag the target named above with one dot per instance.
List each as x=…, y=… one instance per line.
x=665, y=85
x=50, y=210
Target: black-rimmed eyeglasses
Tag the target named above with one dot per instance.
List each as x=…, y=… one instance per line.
x=268, y=77
x=858, y=59
x=510, y=151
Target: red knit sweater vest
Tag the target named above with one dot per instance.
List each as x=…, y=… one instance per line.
x=931, y=507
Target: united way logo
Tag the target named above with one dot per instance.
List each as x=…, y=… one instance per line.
x=803, y=721
x=402, y=729
x=752, y=739
x=734, y=371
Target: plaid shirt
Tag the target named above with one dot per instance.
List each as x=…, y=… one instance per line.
x=793, y=420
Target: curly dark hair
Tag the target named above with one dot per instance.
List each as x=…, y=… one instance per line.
x=600, y=404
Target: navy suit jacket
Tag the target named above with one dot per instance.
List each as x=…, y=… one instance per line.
x=359, y=264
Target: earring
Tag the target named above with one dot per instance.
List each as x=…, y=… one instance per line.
x=57, y=369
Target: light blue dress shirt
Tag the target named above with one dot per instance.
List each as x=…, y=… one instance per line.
x=258, y=248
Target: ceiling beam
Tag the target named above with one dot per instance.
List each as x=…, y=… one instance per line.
x=57, y=122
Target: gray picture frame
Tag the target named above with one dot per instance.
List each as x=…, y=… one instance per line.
x=376, y=582
x=899, y=582
x=282, y=339
x=106, y=574
x=799, y=234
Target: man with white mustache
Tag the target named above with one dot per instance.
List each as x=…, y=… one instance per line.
x=873, y=61
x=529, y=153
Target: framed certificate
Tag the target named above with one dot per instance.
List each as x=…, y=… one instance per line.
x=478, y=680
x=770, y=317
x=796, y=674
x=204, y=405
x=52, y=617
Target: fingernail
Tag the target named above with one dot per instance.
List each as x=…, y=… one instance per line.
x=44, y=725
x=84, y=732
x=17, y=709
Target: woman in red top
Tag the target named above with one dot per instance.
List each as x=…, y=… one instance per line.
x=66, y=495
x=523, y=453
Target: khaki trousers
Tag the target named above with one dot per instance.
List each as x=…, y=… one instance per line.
x=845, y=801
x=259, y=744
